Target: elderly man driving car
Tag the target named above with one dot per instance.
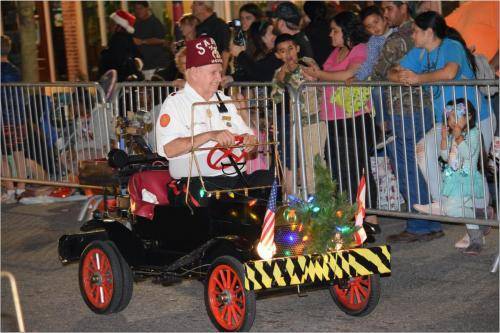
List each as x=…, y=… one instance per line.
x=180, y=129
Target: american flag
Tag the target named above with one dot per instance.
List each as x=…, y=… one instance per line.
x=266, y=247
x=360, y=235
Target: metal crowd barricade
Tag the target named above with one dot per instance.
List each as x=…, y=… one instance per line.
x=135, y=109
x=348, y=144
x=267, y=116
x=48, y=128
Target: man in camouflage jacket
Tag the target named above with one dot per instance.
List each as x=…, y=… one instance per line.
x=405, y=106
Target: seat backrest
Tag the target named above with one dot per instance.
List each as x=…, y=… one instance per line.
x=154, y=182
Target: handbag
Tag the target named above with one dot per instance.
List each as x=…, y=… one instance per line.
x=351, y=99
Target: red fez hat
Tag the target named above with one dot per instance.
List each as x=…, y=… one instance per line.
x=202, y=51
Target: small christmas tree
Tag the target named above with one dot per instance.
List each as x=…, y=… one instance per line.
x=327, y=216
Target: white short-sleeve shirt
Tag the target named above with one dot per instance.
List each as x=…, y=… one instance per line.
x=175, y=122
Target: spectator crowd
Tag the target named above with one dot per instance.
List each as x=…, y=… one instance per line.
x=434, y=135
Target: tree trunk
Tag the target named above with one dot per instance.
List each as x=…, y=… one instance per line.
x=27, y=34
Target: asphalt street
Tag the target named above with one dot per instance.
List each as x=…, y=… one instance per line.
x=433, y=287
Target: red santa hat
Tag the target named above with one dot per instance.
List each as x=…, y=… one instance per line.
x=124, y=19
x=202, y=51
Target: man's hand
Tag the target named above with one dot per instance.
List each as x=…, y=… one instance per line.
x=408, y=77
x=138, y=41
x=223, y=137
x=250, y=139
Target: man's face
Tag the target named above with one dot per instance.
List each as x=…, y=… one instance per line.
x=393, y=14
x=375, y=25
x=279, y=24
x=208, y=78
x=197, y=7
x=288, y=52
x=141, y=12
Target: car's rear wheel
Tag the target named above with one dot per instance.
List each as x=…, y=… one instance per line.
x=358, y=296
x=105, y=278
x=229, y=306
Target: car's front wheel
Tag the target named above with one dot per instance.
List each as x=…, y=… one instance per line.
x=105, y=278
x=358, y=296
x=230, y=307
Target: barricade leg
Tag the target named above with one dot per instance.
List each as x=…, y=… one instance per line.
x=494, y=267
x=15, y=297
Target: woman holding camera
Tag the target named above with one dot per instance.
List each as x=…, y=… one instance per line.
x=256, y=60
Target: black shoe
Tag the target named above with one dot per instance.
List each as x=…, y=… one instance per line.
x=432, y=235
x=371, y=228
x=404, y=237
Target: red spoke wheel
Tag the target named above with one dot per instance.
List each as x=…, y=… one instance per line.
x=105, y=278
x=230, y=307
x=358, y=296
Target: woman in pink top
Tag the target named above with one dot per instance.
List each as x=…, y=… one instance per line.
x=350, y=132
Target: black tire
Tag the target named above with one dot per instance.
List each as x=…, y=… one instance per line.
x=128, y=280
x=241, y=302
x=341, y=296
x=101, y=278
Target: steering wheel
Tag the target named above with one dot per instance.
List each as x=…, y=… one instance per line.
x=216, y=162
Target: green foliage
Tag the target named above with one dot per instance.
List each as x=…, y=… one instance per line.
x=335, y=215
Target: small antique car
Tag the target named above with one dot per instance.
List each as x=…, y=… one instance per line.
x=167, y=240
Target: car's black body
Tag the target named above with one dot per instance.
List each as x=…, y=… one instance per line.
x=202, y=232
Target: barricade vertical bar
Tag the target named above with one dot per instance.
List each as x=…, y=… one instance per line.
x=62, y=156
x=15, y=126
x=495, y=165
x=293, y=135
x=414, y=152
x=297, y=129
x=328, y=152
x=27, y=109
x=39, y=111
x=356, y=157
x=374, y=174
x=72, y=110
x=386, y=157
x=346, y=149
x=405, y=157
x=366, y=137
x=396, y=169
x=337, y=141
x=423, y=124
x=22, y=122
x=483, y=147
x=49, y=108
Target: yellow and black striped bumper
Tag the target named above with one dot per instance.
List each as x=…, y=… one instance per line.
x=317, y=268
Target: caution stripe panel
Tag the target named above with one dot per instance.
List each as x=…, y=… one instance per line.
x=317, y=268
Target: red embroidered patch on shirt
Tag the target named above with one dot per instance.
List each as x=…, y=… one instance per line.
x=164, y=120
